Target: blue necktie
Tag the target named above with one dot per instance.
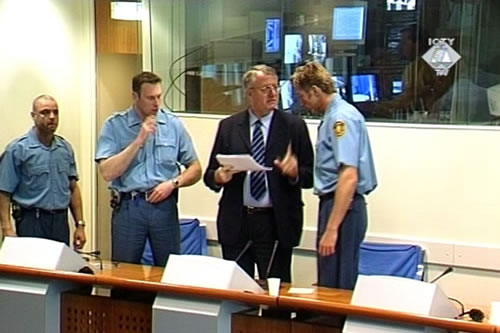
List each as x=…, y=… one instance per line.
x=257, y=178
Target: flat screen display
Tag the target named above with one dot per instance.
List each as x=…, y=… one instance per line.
x=317, y=46
x=397, y=87
x=273, y=33
x=287, y=94
x=364, y=88
x=339, y=82
x=401, y=4
x=293, y=48
x=348, y=23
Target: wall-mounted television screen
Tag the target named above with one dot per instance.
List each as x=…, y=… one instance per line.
x=273, y=33
x=364, y=88
x=317, y=46
x=293, y=49
x=349, y=22
x=401, y=4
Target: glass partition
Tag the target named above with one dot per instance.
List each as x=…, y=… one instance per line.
x=415, y=61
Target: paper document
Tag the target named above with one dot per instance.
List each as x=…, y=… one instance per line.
x=300, y=290
x=241, y=162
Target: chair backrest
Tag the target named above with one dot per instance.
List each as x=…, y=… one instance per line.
x=404, y=260
x=193, y=240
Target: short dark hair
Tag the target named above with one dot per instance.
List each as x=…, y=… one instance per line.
x=144, y=77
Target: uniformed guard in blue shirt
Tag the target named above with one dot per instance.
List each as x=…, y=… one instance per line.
x=140, y=152
x=38, y=179
x=344, y=172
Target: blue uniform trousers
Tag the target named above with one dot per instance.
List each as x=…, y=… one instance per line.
x=44, y=224
x=340, y=270
x=135, y=220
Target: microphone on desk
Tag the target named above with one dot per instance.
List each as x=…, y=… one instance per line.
x=245, y=249
x=91, y=253
x=95, y=254
x=474, y=314
x=446, y=272
x=271, y=260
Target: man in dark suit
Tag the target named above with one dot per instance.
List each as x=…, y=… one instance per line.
x=262, y=207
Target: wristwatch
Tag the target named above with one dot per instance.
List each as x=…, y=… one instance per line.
x=175, y=181
x=80, y=223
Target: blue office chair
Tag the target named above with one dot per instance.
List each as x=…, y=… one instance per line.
x=193, y=240
x=405, y=260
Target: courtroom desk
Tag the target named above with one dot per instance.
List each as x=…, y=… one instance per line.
x=141, y=278
x=336, y=301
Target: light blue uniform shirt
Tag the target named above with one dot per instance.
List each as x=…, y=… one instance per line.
x=248, y=200
x=158, y=160
x=38, y=176
x=343, y=140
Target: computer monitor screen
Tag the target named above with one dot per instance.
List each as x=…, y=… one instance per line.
x=317, y=46
x=273, y=33
x=401, y=4
x=364, y=88
x=287, y=94
x=348, y=22
x=397, y=87
x=339, y=82
x=293, y=48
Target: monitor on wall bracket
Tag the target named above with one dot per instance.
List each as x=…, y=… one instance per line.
x=349, y=23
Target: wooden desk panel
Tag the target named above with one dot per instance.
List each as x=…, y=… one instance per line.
x=129, y=271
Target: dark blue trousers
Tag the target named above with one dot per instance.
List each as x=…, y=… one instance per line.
x=340, y=270
x=43, y=224
x=135, y=220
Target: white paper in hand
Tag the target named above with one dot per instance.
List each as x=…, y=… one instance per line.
x=241, y=162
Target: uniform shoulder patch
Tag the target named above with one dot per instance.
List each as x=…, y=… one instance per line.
x=339, y=128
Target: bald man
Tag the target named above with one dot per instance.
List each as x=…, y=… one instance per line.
x=38, y=179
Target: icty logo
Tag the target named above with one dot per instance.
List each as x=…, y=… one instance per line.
x=441, y=56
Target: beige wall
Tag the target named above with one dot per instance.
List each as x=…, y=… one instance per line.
x=48, y=47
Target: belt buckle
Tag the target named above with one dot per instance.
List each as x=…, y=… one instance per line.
x=251, y=209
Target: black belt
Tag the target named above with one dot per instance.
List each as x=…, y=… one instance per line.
x=45, y=211
x=133, y=195
x=257, y=210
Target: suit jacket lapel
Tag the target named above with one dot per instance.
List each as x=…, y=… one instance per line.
x=244, y=129
x=277, y=131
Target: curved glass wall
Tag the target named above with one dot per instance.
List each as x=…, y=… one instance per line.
x=415, y=61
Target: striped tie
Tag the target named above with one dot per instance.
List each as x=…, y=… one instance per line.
x=257, y=178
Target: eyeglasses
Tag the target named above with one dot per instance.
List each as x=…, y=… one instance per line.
x=267, y=89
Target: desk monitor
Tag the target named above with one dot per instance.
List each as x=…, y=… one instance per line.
x=293, y=48
x=273, y=33
x=287, y=94
x=493, y=94
x=349, y=22
x=364, y=88
x=401, y=5
x=317, y=46
x=397, y=87
x=339, y=82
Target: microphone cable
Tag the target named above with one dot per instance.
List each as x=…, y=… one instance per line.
x=474, y=314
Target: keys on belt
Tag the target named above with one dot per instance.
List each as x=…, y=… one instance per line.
x=134, y=195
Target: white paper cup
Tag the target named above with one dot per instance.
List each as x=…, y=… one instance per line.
x=495, y=313
x=273, y=285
